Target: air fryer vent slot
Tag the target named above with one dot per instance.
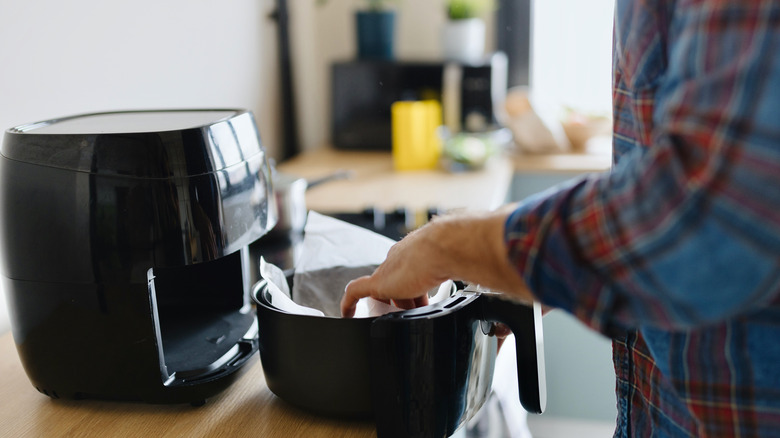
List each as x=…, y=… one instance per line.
x=202, y=314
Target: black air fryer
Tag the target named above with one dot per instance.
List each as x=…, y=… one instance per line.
x=125, y=241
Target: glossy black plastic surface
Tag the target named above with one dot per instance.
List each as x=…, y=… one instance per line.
x=144, y=144
x=526, y=324
x=124, y=239
x=319, y=364
x=421, y=372
x=432, y=367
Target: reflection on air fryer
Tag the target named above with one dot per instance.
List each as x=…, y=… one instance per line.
x=481, y=371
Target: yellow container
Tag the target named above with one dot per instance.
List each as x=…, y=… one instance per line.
x=416, y=141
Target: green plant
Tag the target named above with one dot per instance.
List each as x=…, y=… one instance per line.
x=371, y=5
x=462, y=9
x=378, y=5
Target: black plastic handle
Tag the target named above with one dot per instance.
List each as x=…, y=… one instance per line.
x=526, y=324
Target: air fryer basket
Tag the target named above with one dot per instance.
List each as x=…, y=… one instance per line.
x=420, y=372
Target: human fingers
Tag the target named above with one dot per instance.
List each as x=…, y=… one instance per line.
x=355, y=290
x=411, y=303
x=364, y=287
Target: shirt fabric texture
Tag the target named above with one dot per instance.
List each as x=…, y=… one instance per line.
x=675, y=252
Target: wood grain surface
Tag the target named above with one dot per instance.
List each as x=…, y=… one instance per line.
x=246, y=409
x=374, y=183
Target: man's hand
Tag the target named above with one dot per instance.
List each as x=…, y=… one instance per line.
x=468, y=247
x=411, y=269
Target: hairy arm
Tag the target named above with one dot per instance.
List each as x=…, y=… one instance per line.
x=464, y=246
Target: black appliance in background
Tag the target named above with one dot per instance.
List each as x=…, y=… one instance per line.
x=289, y=145
x=363, y=92
x=126, y=260
x=394, y=224
x=513, y=37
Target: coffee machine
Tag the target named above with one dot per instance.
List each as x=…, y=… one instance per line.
x=125, y=243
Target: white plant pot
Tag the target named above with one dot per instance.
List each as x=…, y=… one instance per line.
x=463, y=40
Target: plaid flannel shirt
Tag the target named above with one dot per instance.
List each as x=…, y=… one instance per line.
x=675, y=252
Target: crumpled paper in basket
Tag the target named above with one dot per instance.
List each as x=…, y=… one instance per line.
x=333, y=253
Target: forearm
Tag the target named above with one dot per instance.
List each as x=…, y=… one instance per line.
x=464, y=246
x=473, y=249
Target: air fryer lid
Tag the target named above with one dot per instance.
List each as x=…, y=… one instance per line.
x=161, y=188
x=151, y=144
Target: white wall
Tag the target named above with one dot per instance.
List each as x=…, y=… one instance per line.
x=68, y=57
x=571, y=53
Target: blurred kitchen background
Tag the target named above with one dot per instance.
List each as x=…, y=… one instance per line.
x=64, y=58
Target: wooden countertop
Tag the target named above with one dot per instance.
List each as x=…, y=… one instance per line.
x=246, y=408
x=374, y=183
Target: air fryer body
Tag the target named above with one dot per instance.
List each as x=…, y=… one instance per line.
x=125, y=259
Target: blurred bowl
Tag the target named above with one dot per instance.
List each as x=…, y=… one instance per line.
x=579, y=128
